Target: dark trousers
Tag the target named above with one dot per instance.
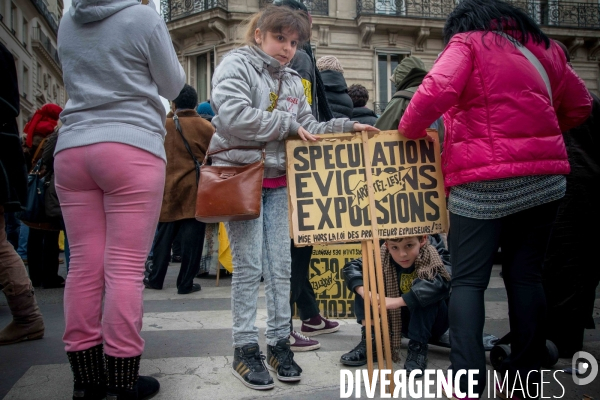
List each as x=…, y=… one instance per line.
x=42, y=256
x=302, y=293
x=13, y=228
x=420, y=324
x=523, y=237
x=192, y=239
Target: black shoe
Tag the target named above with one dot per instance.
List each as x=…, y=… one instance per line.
x=89, y=379
x=280, y=359
x=124, y=383
x=195, y=288
x=416, y=358
x=202, y=275
x=249, y=367
x=148, y=265
x=358, y=355
x=148, y=285
x=176, y=259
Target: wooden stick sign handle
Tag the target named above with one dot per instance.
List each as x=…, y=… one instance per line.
x=376, y=273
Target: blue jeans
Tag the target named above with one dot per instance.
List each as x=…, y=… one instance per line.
x=261, y=247
x=23, y=237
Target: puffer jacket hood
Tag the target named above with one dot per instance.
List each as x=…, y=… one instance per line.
x=410, y=68
x=86, y=11
x=336, y=91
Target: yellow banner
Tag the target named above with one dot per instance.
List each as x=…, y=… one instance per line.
x=325, y=273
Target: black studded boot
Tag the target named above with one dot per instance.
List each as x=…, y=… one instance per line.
x=124, y=382
x=358, y=355
x=89, y=378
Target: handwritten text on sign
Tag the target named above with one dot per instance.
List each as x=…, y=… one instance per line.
x=329, y=195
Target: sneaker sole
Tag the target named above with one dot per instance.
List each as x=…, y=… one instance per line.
x=320, y=331
x=284, y=378
x=305, y=348
x=354, y=363
x=251, y=386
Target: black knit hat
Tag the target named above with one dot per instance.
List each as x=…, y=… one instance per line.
x=294, y=4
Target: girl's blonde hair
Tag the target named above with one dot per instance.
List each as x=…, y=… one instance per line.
x=279, y=20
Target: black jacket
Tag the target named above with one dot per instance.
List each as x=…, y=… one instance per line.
x=422, y=292
x=364, y=115
x=336, y=91
x=583, y=145
x=13, y=173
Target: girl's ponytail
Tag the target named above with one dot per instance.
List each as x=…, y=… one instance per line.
x=251, y=28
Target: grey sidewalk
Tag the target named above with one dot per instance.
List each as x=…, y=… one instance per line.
x=188, y=349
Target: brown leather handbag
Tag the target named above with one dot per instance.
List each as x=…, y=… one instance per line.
x=230, y=193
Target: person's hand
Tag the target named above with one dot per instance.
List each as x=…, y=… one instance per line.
x=358, y=127
x=306, y=136
x=360, y=290
x=429, y=136
x=392, y=303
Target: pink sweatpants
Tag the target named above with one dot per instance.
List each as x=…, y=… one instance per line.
x=110, y=196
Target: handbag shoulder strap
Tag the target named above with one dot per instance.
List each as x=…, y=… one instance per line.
x=534, y=60
x=40, y=147
x=187, y=146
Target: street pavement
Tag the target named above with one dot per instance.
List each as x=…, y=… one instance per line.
x=188, y=349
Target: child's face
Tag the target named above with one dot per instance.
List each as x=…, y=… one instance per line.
x=281, y=46
x=405, y=252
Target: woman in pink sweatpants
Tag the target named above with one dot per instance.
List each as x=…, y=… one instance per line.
x=118, y=60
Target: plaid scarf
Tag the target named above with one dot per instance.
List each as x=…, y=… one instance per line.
x=428, y=264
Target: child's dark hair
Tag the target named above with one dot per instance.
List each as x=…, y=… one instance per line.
x=359, y=95
x=279, y=20
x=399, y=239
x=492, y=15
x=187, y=99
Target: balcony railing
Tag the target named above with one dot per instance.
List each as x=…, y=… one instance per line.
x=43, y=9
x=550, y=13
x=46, y=44
x=438, y=9
x=562, y=13
x=175, y=9
x=315, y=7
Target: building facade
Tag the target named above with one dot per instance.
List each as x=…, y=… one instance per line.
x=369, y=37
x=28, y=28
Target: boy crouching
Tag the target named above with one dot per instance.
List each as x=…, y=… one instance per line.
x=416, y=272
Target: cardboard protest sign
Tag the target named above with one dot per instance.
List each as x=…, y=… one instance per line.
x=328, y=194
x=325, y=275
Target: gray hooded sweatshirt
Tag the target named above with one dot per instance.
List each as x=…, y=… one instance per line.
x=117, y=58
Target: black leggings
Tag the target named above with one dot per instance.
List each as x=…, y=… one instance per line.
x=523, y=237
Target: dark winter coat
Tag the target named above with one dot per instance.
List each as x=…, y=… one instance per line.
x=13, y=173
x=570, y=278
x=422, y=292
x=336, y=91
x=364, y=115
x=52, y=203
x=179, y=199
x=304, y=64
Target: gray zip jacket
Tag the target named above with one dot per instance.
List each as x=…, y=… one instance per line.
x=244, y=86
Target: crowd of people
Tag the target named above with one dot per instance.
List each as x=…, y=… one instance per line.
x=519, y=157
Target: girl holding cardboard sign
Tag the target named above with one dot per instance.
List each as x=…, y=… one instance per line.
x=259, y=102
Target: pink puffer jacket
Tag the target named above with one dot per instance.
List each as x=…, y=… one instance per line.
x=497, y=112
